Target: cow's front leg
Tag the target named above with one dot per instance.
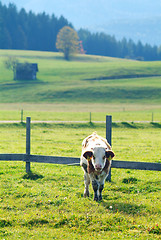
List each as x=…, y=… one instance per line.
x=95, y=189
x=101, y=185
x=86, y=183
x=100, y=192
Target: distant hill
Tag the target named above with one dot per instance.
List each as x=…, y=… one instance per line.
x=146, y=30
x=135, y=19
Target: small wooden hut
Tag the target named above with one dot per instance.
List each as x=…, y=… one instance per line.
x=26, y=71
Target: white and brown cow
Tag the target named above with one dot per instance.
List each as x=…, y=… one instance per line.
x=95, y=161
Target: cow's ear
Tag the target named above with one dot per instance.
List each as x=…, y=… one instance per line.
x=88, y=155
x=109, y=154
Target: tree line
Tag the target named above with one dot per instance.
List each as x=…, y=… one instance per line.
x=106, y=45
x=30, y=31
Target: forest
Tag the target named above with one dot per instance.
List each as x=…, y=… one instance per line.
x=29, y=31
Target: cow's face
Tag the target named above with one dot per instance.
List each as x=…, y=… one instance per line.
x=98, y=157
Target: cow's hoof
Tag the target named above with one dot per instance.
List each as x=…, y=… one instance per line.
x=86, y=194
x=96, y=199
x=100, y=198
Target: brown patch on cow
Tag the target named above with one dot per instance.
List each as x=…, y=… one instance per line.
x=90, y=167
x=107, y=166
x=93, y=138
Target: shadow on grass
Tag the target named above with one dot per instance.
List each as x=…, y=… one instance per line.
x=68, y=125
x=130, y=180
x=36, y=222
x=156, y=125
x=125, y=125
x=13, y=125
x=32, y=176
x=128, y=125
x=5, y=223
x=116, y=125
x=127, y=208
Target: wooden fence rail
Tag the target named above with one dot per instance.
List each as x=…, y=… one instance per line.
x=76, y=161
x=28, y=158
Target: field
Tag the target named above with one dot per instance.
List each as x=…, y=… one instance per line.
x=49, y=203
x=81, y=112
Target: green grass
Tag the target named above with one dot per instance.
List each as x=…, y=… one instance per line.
x=81, y=112
x=129, y=139
x=49, y=203
x=69, y=81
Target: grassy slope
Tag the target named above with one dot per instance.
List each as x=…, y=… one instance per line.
x=61, y=81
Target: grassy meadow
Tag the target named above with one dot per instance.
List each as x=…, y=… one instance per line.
x=64, y=88
x=71, y=81
x=49, y=203
x=80, y=112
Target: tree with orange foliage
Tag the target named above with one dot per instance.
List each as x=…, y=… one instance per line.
x=68, y=42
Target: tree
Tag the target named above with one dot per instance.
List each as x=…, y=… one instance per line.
x=67, y=42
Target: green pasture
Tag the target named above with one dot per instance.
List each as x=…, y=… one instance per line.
x=49, y=203
x=80, y=112
x=61, y=81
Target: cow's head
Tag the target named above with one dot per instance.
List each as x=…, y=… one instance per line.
x=98, y=156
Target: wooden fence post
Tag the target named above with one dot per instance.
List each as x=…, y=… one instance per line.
x=28, y=119
x=109, y=137
x=90, y=117
x=22, y=116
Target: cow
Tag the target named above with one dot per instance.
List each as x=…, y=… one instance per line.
x=96, y=162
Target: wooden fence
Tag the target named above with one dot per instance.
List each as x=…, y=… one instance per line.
x=28, y=158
